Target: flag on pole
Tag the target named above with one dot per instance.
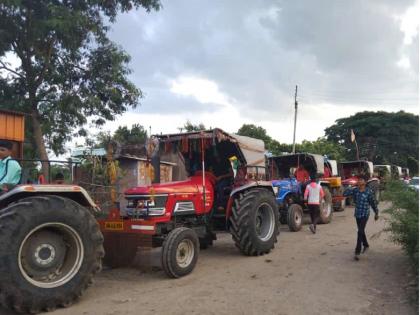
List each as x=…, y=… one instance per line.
x=352, y=136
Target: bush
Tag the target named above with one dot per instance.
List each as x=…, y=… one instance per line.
x=404, y=219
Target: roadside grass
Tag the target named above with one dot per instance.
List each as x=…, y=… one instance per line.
x=403, y=223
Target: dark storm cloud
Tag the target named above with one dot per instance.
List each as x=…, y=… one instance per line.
x=340, y=52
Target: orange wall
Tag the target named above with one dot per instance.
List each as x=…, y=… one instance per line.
x=12, y=127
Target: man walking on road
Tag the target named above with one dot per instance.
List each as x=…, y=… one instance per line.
x=313, y=195
x=363, y=198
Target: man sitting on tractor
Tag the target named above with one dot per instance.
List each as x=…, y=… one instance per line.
x=10, y=169
x=222, y=169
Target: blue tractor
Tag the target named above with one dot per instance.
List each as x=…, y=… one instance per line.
x=289, y=190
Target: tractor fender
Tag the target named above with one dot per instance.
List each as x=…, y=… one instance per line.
x=74, y=192
x=259, y=184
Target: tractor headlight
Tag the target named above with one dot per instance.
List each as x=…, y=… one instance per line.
x=276, y=190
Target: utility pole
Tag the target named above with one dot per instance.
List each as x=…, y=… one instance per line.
x=294, y=127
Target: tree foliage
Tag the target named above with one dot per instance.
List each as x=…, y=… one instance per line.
x=69, y=72
x=320, y=146
x=383, y=138
x=404, y=219
x=136, y=135
x=190, y=127
x=258, y=132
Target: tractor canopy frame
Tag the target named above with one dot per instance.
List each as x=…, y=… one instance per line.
x=279, y=166
x=349, y=169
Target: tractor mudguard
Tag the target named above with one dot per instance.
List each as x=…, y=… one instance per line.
x=73, y=192
x=263, y=184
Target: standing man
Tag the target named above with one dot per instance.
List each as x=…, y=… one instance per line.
x=10, y=169
x=363, y=198
x=313, y=196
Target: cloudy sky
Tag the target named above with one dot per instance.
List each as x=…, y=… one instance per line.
x=226, y=63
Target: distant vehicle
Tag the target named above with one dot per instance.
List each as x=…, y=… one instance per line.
x=414, y=183
x=383, y=172
x=350, y=172
x=289, y=187
x=406, y=174
x=396, y=172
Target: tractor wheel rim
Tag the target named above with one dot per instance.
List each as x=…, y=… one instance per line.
x=185, y=253
x=298, y=218
x=265, y=222
x=326, y=208
x=50, y=263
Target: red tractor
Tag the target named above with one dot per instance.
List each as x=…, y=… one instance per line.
x=350, y=172
x=224, y=189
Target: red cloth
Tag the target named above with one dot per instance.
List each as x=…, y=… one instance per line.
x=327, y=172
x=184, y=143
x=302, y=175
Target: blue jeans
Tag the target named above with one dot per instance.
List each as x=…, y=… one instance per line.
x=361, y=235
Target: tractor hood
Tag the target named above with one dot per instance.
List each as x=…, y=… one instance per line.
x=283, y=183
x=190, y=185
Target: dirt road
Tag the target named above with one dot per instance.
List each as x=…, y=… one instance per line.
x=305, y=274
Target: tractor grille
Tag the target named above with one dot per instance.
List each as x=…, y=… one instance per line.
x=145, y=205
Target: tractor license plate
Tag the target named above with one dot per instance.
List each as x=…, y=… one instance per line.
x=114, y=226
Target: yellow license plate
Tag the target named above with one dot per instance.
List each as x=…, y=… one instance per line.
x=115, y=226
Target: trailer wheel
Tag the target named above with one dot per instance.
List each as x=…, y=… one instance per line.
x=50, y=249
x=254, y=223
x=326, y=209
x=180, y=252
x=340, y=205
x=295, y=217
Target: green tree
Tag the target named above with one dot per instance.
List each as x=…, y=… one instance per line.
x=322, y=146
x=124, y=136
x=383, y=138
x=257, y=132
x=135, y=135
x=69, y=72
x=190, y=127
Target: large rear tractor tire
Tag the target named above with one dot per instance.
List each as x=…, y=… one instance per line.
x=326, y=209
x=295, y=217
x=50, y=249
x=254, y=223
x=180, y=252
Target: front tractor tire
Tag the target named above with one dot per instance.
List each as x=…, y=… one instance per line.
x=254, y=223
x=50, y=249
x=180, y=252
x=326, y=207
x=295, y=217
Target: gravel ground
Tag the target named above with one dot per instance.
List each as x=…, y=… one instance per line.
x=305, y=274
